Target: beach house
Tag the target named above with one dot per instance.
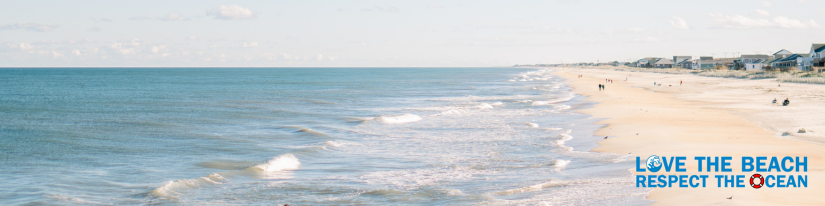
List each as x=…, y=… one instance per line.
x=677, y=59
x=663, y=63
x=792, y=62
x=752, y=62
x=818, y=57
x=686, y=64
x=782, y=53
x=706, y=62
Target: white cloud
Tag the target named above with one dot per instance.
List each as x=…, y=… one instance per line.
x=213, y=46
x=786, y=22
x=803, y=1
x=55, y=54
x=741, y=22
x=173, y=17
x=763, y=12
x=679, y=23
x=94, y=29
x=767, y=4
x=156, y=49
x=231, y=12
x=25, y=46
x=29, y=26
x=319, y=57
x=249, y=44
x=191, y=37
x=76, y=52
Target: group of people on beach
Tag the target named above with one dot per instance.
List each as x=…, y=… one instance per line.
x=784, y=103
x=601, y=87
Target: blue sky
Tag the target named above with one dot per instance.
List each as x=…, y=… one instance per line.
x=395, y=33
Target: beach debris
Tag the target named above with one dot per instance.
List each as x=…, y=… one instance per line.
x=786, y=133
x=802, y=130
x=605, y=137
x=730, y=198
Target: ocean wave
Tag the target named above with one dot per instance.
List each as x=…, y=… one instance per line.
x=398, y=119
x=564, y=137
x=560, y=106
x=536, y=187
x=534, y=125
x=359, y=119
x=280, y=163
x=173, y=189
x=338, y=144
x=269, y=170
x=560, y=164
x=484, y=106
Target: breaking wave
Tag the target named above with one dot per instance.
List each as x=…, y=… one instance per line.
x=398, y=119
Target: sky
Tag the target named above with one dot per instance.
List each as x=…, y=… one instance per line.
x=385, y=33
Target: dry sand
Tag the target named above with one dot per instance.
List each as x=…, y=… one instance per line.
x=709, y=116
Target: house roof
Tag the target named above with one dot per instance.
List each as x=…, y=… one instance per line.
x=817, y=47
x=782, y=51
x=685, y=60
x=789, y=58
x=664, y=61
x=706, y=58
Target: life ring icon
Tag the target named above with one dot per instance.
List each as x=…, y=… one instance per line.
x=761, y=181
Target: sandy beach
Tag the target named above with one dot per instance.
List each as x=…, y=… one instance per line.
x=709, y=116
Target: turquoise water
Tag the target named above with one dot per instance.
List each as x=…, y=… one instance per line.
x=303, y=136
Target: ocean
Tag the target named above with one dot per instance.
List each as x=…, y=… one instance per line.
x=302, y=136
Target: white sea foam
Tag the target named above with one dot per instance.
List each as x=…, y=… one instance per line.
x=561, y=164
x=484, y=106
x=338, y=144
x=280, y=163
x=173, y=189
x=497, y=103
x=534, y=125
x=539, y=103
x=536, y=187
x=560, y=106
x=398, y=119
x=564, y=137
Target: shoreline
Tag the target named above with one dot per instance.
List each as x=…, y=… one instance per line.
x=691, y=120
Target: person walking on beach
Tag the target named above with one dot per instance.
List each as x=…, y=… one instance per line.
x=600, y=87
x=680, y=82
x=774, y=100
